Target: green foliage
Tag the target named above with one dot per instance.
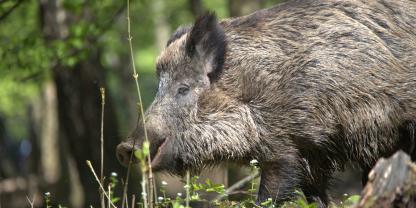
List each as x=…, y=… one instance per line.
x=142, y=153
x=208, y=186
x=299, y=202
x=23, y=60
x=28, y=56
x=197, y=190
x=113, y=182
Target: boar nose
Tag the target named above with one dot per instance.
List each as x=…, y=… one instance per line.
x=155, y=129
x=124, y=152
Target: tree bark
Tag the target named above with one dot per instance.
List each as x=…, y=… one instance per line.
x=79, y=109
x=48, y=157
x=49, y=135
x=392, y=183
x=2, y=147
x=79, y=116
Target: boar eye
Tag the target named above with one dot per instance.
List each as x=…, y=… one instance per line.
x=183, y=90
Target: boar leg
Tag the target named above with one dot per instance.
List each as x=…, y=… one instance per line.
x=316, y=193
x=280, y=180
x=364, y=175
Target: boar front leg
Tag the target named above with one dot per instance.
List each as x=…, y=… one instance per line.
x=279, y=181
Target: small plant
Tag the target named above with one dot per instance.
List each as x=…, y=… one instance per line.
x=164, y=201
x=143, y=155
x=208, y=187
x=254, y=168
x=113, y=184
x=251, y=201
x=301, y=201
x=267, y=203
x=48, y=200
x=196, y=189
x=347, y=201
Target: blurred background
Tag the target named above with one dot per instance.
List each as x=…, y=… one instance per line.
x=54, y=57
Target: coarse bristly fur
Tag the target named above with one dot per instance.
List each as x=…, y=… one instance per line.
x=303, y=87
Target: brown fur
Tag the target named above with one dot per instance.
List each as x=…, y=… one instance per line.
x=303, y=87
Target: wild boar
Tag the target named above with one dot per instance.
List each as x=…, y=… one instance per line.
x=303, y=87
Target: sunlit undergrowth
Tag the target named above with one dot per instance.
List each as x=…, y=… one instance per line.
x=198, y=189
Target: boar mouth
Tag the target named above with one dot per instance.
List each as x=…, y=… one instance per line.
x=156, y=159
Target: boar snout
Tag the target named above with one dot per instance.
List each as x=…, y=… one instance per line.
x=156, y=135
x=124, y=152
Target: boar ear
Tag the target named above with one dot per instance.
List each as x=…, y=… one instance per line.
x=178, y=34
x=206, y=45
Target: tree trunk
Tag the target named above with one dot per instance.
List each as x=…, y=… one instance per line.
x=48, y=157
x=79, y=108
x=392, y=183
x=2, y=148
x=79, y=116
x=49, y=135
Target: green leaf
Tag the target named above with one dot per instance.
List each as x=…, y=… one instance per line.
x=195, y=197
x=267, y=202
x=146, y=147
x=77, y=43
x=71, y=61
x=176, y=204
x=115, y=199
x=138, y=154
x=210, y=190
x=208, y=182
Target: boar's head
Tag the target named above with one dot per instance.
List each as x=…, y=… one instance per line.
x=192, y=122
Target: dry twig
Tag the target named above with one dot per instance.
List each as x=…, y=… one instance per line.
x=135, y=76
x=99, y=183
x=102, y=90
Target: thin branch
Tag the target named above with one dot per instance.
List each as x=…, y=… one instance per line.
x=109, y=194
x=135, y=76
x=106, y=26
x=102, y=90
x=188, y=187
x=133, y=201
x=238, y=185
x=8, y=12
x=98, y=180
x=124, y=198
x=144, y=192
x=31, y=202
